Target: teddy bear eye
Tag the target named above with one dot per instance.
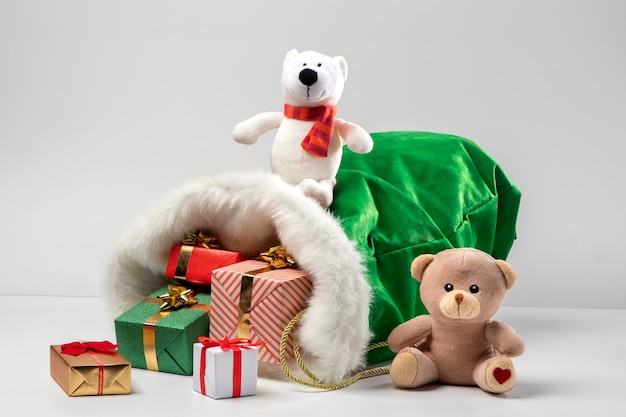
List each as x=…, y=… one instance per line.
x=448, y=287
x=473, y=288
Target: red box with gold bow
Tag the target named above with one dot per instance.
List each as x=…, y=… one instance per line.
x=90, y=368
x=252, y=300
x=195, y=264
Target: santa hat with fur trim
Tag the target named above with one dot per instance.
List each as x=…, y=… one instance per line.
x=250, y=211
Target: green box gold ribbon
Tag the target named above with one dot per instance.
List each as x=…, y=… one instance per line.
x=158, y=334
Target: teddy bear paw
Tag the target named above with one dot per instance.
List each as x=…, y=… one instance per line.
x=499, y=375
x=403, y=369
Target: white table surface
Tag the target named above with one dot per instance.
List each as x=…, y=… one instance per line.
x=573, y=366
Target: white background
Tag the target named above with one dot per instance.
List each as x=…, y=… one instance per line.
x=106, y=105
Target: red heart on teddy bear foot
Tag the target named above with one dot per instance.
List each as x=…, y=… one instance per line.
x=501, y=375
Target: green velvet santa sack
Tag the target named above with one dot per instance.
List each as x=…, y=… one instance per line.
x=419, y=193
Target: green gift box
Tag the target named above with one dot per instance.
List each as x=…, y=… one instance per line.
x=158, y=334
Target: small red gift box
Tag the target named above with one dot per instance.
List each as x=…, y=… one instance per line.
x=195, y=264
x=251, y=300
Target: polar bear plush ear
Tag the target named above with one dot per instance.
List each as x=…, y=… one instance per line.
x=290, y=56
x=343, y=65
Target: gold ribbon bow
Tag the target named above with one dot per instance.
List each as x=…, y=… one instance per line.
x=176, y=297
x=278, y=257
x=199, y=238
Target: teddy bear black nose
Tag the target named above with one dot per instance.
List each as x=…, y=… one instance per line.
x=308, y=77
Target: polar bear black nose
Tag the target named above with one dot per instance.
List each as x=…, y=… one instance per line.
x=308, y=77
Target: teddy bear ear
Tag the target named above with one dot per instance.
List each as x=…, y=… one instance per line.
x=291, y=54
x=419, y=264
x=509, y=275
x=343, y=64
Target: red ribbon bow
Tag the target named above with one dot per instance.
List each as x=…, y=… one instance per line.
x=236, y=345
x=232, y=344
x=78, y=348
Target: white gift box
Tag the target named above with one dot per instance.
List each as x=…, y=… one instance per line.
x=227, y=372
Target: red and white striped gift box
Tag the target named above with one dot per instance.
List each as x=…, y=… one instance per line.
x=277, y=296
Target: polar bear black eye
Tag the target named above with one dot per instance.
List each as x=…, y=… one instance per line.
x=473, y=289
x=448, y=287
x=319, y=64
x=304, y=64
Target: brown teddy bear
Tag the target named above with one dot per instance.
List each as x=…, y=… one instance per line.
x=457, y=343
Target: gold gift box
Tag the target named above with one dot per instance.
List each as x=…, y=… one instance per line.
x=105, y=374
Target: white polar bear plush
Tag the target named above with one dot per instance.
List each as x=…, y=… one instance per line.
x=309, y=141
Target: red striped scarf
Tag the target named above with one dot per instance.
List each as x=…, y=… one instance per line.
x=317, y=140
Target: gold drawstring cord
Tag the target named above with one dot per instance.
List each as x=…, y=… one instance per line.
x=314, y=382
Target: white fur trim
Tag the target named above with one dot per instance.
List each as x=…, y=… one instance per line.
x=249, y=211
